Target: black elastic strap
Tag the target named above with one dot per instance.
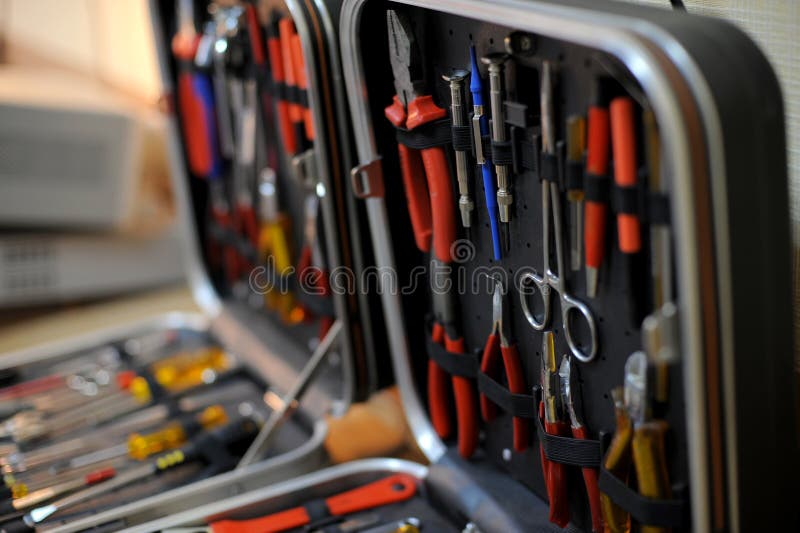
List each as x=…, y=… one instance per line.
x=574, y=176
x=584, y=453
x=502, y=153
x=663, y=513
x=519, y=405
x=280, y=90
x=625, y=200
x=438, y=133
x=317, y=510
x=462, y=138
x=528, y=153
x=549, y=169
x=463, y=365
x=596, y=188
x=658, y=209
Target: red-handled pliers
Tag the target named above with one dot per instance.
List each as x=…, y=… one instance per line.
x=426, y=174
x=570, y=397
x=555, y=474
x=499, y=344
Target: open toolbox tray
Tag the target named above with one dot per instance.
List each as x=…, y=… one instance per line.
x=276, y=351
x=696, y=76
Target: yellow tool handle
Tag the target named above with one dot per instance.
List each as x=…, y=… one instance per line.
x=274, y=248
x=618, y=461
x=141, y=447
x=650, y=461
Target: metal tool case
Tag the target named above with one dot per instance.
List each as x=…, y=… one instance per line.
x=730, y=449
x=718, y=110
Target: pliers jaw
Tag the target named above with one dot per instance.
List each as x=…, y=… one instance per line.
x=405, y=57
x=549, y=377
x=570, y=397
x=500, y=314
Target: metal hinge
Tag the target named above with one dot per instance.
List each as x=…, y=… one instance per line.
x=367, y=180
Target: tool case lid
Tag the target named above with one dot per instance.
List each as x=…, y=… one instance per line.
x=720, y=113
x=280, y=351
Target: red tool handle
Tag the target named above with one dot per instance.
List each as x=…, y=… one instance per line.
x=623, y=141
x=594, y=229
x=248, y=226
x=592, y=490
x=99, y=475
x=466, y=413
x=392, y=489
x=439, y=391
x=555, y=475
x=254, y=33
x=279, y=77
x=516, y=384
x=302, y=82
x=422, y=110
x=489, y=361
x=287, y=32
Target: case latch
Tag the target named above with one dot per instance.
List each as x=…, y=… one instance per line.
x=367, y=180
x=304, y=167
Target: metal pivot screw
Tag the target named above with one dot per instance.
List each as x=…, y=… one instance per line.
x=496, y=64
x=520, y=43
x=456, y=79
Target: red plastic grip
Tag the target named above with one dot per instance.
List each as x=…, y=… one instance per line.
x=516, y=384
x=442, y=201
x=592, y=490
x=489, y=360
x=438, y=391
x=287, y=33
x=396, y=112
x=422, y=110
x=623, y=141
x=417, y=196
x=555, y=476
x=302, y=81
x=100, y=475
x=195, y=126
x=289, y=519
x=466, y=413
x=594, y=229
x=125, y=378
x=254, y=32
x=392, y=489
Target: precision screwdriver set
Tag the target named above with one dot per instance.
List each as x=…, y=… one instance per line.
x=560, y=227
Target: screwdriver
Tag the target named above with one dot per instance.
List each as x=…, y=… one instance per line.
x=286, y=31
x=649, y=456
x=139, y=446
x=57, y=489
x=233, y=432
x=496, y=64
x=576, y=144
x=480, y=127
x=276, y=68
x=596, y=202
x=455, y=80
x=301, y=78
x=623, y=140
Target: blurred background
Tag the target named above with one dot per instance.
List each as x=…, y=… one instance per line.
x=86, y=208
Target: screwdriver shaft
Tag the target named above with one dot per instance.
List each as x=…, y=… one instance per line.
x=496, y=72
x=465, y=203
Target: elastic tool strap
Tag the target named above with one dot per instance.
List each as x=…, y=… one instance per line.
x=584, y=453
x=596, y=188
x=574, y=175
x=519, y=405
x=317, y=510
x=549, y=169
x=658, y=209
x=437, y=133
x=462, y=138
x=464, y=365
x=625, y=200
x=663, y=513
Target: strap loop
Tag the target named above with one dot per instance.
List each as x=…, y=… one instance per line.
x=569, y=451
x=437, y=133
x=464, y=365
x=518, y=405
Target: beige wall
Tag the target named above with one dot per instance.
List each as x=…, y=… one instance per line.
x=111, y=39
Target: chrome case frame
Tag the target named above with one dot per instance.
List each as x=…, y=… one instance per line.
x=665, y=71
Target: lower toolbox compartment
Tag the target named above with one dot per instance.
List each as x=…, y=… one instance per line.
x=91, y=421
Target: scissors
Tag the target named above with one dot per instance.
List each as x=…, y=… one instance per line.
x=551, y=281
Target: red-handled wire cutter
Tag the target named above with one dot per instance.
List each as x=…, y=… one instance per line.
x=426, y=174
x=550, y=409
x=446, y=334
x=499, y=344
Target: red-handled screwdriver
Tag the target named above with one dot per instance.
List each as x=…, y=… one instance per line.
x=595, y=207
x=623, y=141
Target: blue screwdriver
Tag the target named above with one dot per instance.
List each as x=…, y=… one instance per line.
x=480, y=128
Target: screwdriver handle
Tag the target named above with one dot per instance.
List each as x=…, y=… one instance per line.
x=596, y=211
x=299, y=63
x=623, y=140
x=287, y=32
x=649, y=459
x=279, y=79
